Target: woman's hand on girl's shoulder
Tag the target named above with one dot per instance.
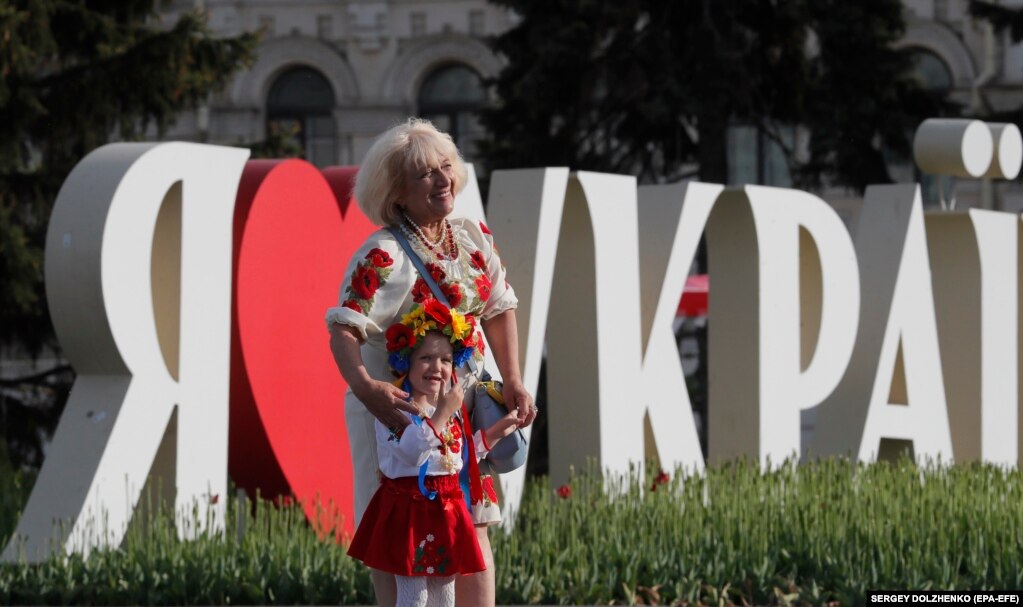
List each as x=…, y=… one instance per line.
x=386, y=402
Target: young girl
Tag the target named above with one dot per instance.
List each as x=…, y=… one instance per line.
x=417, y=526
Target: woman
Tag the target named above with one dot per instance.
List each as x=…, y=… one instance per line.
x=409, y=180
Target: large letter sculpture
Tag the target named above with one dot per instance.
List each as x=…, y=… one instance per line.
x=891, y=395
x=524, y=212
x=671, y=222
x=775, y=355
x=138, y=279
x=593, y=332
x=295, y=228
x=973, y=258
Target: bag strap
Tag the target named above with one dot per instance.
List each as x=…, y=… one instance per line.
x=418, y=263
x=430, y=282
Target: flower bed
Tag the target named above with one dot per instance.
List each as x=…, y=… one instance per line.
x=815, y=533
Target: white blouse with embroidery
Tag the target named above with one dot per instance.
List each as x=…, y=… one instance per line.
x=404, y=454
x=381, y=285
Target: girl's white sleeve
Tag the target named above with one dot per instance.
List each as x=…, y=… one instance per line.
x=482, y=447
x=416, y=444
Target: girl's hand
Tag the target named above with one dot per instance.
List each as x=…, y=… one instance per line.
x=449, y=402
x=502, y=428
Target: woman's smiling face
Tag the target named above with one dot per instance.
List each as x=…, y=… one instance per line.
x=429, y=193
x=430, y=365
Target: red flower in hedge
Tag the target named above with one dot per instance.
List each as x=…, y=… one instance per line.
x=477, y=260
x=379, y=258
x=485, y=229
x=399, y=336
x=421, y=291
x=483, y=287
x=564, y=491
x=352, y=304
x=662, y=478
x=365, y=281
x=453, y=292
x=437, y=311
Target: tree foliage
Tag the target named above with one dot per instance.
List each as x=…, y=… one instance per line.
x=1002, y=17
x=650, y=88
x=75, y=74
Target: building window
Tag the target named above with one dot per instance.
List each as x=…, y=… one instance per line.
x=756, y=157
x=449, y=97
x=301, y=105
x=417, y=24
x=933, y=74
x=930, y=70
x=324, y=27
x=477, y=23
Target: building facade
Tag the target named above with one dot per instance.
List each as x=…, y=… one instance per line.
x=333, y=75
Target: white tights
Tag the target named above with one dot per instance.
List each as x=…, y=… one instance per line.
x=425, y=591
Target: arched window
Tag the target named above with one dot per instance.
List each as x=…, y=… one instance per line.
x=931, y=70
x=449, y=97
x=301, y=103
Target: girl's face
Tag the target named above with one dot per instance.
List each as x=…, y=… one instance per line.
x=430, y=365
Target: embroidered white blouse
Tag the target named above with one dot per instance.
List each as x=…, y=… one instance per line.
x=381, y=285
x=404, y=454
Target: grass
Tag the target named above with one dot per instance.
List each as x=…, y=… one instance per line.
x=812, y=534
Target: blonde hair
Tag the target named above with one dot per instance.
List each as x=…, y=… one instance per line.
x=381, y=177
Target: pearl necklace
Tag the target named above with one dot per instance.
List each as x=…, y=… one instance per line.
x=422, y=235
x=447, y=234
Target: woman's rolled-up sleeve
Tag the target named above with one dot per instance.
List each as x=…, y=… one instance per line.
x=373, y=289
x=502, y=296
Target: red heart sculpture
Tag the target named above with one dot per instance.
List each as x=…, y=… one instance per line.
x=293, y=238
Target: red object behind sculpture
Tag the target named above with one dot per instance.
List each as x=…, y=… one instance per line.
x=694, y=297
x=295, y=228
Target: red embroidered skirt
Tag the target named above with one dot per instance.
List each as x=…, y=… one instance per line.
x=404, y=533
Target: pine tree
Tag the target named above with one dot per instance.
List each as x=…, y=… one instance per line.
x=75, y=74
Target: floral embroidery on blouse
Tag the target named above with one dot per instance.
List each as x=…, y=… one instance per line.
x=369, y=275
x=381, y=285
x=493, y=245
x=476, y=258
x=450, y=446
x=451, y=291
x=489, y=493
x=483, y=285
x=430, y=558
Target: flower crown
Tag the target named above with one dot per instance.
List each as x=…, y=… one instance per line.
x=432, y=315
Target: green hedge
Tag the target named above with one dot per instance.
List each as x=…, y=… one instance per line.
x=808, y=534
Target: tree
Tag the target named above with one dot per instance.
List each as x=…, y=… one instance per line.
x=650, y=88
x=1003, y=18
x=75, y=74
